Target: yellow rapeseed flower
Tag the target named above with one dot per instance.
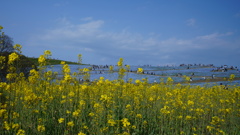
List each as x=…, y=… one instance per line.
x=111, y=68
x=125, y=122
x=47, y=53
x=125, y=133
x=215, y=120
x=188, y=117
x=71, y=94
x=140, y=70
x=41, y=59
x=12, y=57
x=85, y=127
x=232, y=76
x=120, y=62
x=209, y=128
x=20, y=132
x=82, y=102
x=76, y=113
x=80, y=58
x=96, y=105
x=128, y=106
x=169, y=94
x=18, y=48
x=111, y=122
x=151, y=99
x=86, y=70
x=66, y=69
x=70, y=124
x=190, y=102
x=7, y=125
x=104, y=97
x=60, y=120
x=128, y=67
x=67, y=77
x=11, y=76
x=187, y=78
x=15, y=126
x=2, y=59
x=165, y=110
x=91, y=114
x=180, y=117
x=169, y=80
x=41, y=128
x=68, y=112
x=137, y=81
x=139, y=115
x=80, y=133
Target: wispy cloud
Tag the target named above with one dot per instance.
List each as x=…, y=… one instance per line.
x=191, y=22
x=237, y=15
x=90, y=37
x=68, y=31
x=215, y=35
x=61, y=4
x=87, y=19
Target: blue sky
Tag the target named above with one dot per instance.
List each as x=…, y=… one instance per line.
x=155, y=32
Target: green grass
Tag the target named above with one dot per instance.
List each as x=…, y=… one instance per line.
x=51, y=61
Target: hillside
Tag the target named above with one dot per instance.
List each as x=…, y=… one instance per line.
x=51, y=61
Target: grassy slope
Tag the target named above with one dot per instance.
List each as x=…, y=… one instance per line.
x=51, y=61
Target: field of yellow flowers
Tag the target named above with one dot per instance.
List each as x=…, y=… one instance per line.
x=44, y=104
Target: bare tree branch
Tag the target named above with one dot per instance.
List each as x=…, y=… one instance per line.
x=6, y=44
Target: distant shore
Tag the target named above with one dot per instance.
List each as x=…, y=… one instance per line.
x=217, y=79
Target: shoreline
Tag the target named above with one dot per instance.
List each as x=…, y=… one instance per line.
x=219, y=79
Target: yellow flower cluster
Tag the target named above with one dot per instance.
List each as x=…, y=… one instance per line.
x=120, y=62
x=80, y=58
x=41, y=128
x=2, y=59
x=41, y=59
x=12, y=57
x=140, y=70
x=47, y=53
x=18, y=48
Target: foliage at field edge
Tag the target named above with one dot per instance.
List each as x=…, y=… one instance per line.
x=50, y=61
